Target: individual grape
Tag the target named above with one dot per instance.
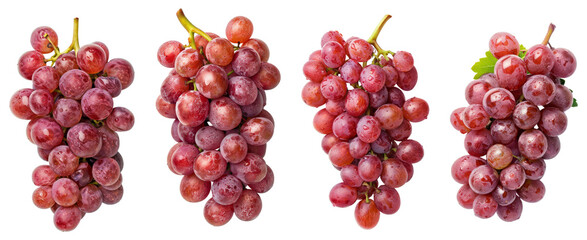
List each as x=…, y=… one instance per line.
x=394, y=173
x=217, y=214
x=121, y=69
x=475, y=91
x=183, y=158
x=372, y=78
x=90, y=199
x=357, y=148
x=502, y=44
x=463, y=166
x=402, y=132
x=383, y=144
x=167, y=53
x=226, y=190
x=335, y=107
x=65, y=62
x=62, y=160
x=368, y=129
x=510, y=72
x=97, y=104
x=360, y=50
x=499, y=103
x=403, y=61
x=192, y=108
x=396, y=96
x=366, y=214
x=115, y=185
x=553, y=121
x=350, y=71
x=564, y=63
x=183, y=133
x=268, y=76
x=328, y=141
x=67, y=218
x=202, y=43
x=532, y=191
x=340, y=155
x=356, y=102
x=239, y=29
x=554, y=146
x=44, y=153
x=188, y=62
x=65, y=192
x=209, y=138
x=260, y=47
x=333, y=54
x=82, y=175
x=252, y=169
x=74, y=83
x=256, y=107
x=323, y=121
x=165, y=108
x=106, y=171
x=173, y=86
x=415, y=109
x=539, y=59
x=563, y=98
x=499, y=156
x=484, y=206
x=46, y=77
x=512, y=177
x=111, y=196
x=342, y=195
x=248, y=206
x=103, y=46
x=532, y=144
x=533, y=169
x=333, y=87
x=43, y=175
x=483, y=179
x=211, y=81
x=246, y=62
x=410, y=151
x=407, y=80
x=219, y=51
x=477, y=142
x=110, y=142
x=539, y=89
x=466, y=196
x=475, y=117
x=112, y=85
x=510, y=212
x=40, y=42
x=233, y=148
x=369, y=168
x=315, y=70
x=504, y=131
x=84, y=140
x=209, y=165
x=387, y=200
x=41, y=102
x=526, y=115
x=503, y=196
x=392, y=76
x=121, y=119
x=46, y=133
x=350, y=176
x=312, y=96
x=257, y=131
x=457, y=121
x=42, y=197
x=265, y=184
x=193, y=189
x=29, y=62
x=91, y=58
x=390, y=116
x=332, y=36
x=379, y=98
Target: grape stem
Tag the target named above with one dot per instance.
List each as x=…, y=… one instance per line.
x=73, y=46
x=546, y=40
x=373, y=39
x=191, y=28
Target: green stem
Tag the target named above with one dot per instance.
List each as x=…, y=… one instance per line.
x=373, y=39
x=191, y=28
x=75, y=41
x=551, y=28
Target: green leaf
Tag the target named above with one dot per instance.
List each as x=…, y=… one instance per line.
x=575, y=103
x=562, y=81
x=523, y=51
x=484, y=65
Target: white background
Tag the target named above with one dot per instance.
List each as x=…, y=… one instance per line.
x=445, y=38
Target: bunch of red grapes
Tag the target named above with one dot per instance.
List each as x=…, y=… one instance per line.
x=216, y=94
x=514, y=118
x=364, y=117
x=73, y=122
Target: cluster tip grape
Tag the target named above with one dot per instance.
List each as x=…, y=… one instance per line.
x=365, y=116
x=74, y=124
x=215, y=93
x=515, y=114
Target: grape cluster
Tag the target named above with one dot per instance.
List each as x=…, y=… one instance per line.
x=73, y=122
x=514, y=118
x=216, y=94
x=365, y=116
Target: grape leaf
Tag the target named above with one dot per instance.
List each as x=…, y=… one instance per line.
x=484, y=65
x=575, y=103
x=523, y=51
